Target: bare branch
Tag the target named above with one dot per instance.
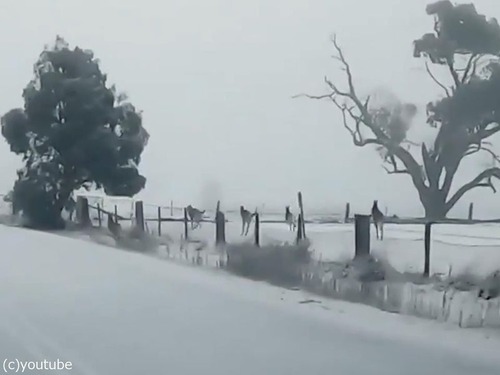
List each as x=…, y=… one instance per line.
x=318, y=97
x=355, y=134
x=471, y=64
x=342, y=59
x=446, y=90
x=360, y=114
x=486, y=133
x=406, y=157
x=478, y=181
x=492, y=153
x=336, y=90
x=474, y=149
x=453, y=73
x=367, y=101
x=357, y=138
x=395, y=169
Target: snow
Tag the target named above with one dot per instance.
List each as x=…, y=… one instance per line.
x=118, y=312
x=471, y=249
x=455, y=249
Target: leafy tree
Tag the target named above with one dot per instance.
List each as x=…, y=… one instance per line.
x=467, y=45
x=74, y=131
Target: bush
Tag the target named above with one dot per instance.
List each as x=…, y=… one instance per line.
x=280, y=264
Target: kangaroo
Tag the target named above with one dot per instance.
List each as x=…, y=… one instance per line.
x=378, y=220
x=114, y=227
x=195, y=216
x=246, y=220
x=290, y=219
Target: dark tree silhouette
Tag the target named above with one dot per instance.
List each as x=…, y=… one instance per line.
x=467, y=45
x=74, y=131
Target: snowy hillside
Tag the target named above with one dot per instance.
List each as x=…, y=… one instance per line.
x=116, y=312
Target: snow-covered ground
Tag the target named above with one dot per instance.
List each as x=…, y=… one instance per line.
x=457, y=249
x=117, y=312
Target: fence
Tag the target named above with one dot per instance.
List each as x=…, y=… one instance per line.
x=409, y=296
x=155, y=219
x=140, y=221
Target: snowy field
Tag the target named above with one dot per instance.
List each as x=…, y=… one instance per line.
x=456, y=249
x=116, y=312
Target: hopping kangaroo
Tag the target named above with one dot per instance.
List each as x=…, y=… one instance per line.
x=195, y=216
x=290, y=219
x=246, y=220
x=378, y=220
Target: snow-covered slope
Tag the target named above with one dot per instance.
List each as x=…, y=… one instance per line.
x=116, y=312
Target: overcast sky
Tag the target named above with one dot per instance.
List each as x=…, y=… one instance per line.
x=215, y=80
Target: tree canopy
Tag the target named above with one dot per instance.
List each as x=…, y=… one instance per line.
x=74, y=130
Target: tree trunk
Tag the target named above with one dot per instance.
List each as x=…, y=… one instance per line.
x=435, y=205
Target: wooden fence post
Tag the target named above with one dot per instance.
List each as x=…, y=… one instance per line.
x=301, y=206
x=257, y=229
x=300, y=227
x=185, y=224
x=159, y=221
x=99, y=220
x=139, y=215
x=171, y=208
x=361, y=235
x=116, y=214
x=427, y=245
x=347, y=212
x=220, y=228
x=82, y=210
x=13, y=202
x=471, y=211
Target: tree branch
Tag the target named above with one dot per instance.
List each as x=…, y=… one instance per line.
x=363, y=116
x=351, y=94
x=453, y=73
x=470, y=64
x=474, y=149
x=451, y=155
x=414, y=169
x=446, y=90
x=486, y=133
x=357, y=138
x=478, y=181
x=347, y=67
x=396, y=171
x=395, y=167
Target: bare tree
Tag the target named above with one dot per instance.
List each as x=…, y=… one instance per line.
x=467, y=115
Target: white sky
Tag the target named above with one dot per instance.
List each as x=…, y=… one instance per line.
x=215, y=80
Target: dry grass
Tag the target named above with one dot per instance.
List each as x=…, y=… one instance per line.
x=279, y=264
